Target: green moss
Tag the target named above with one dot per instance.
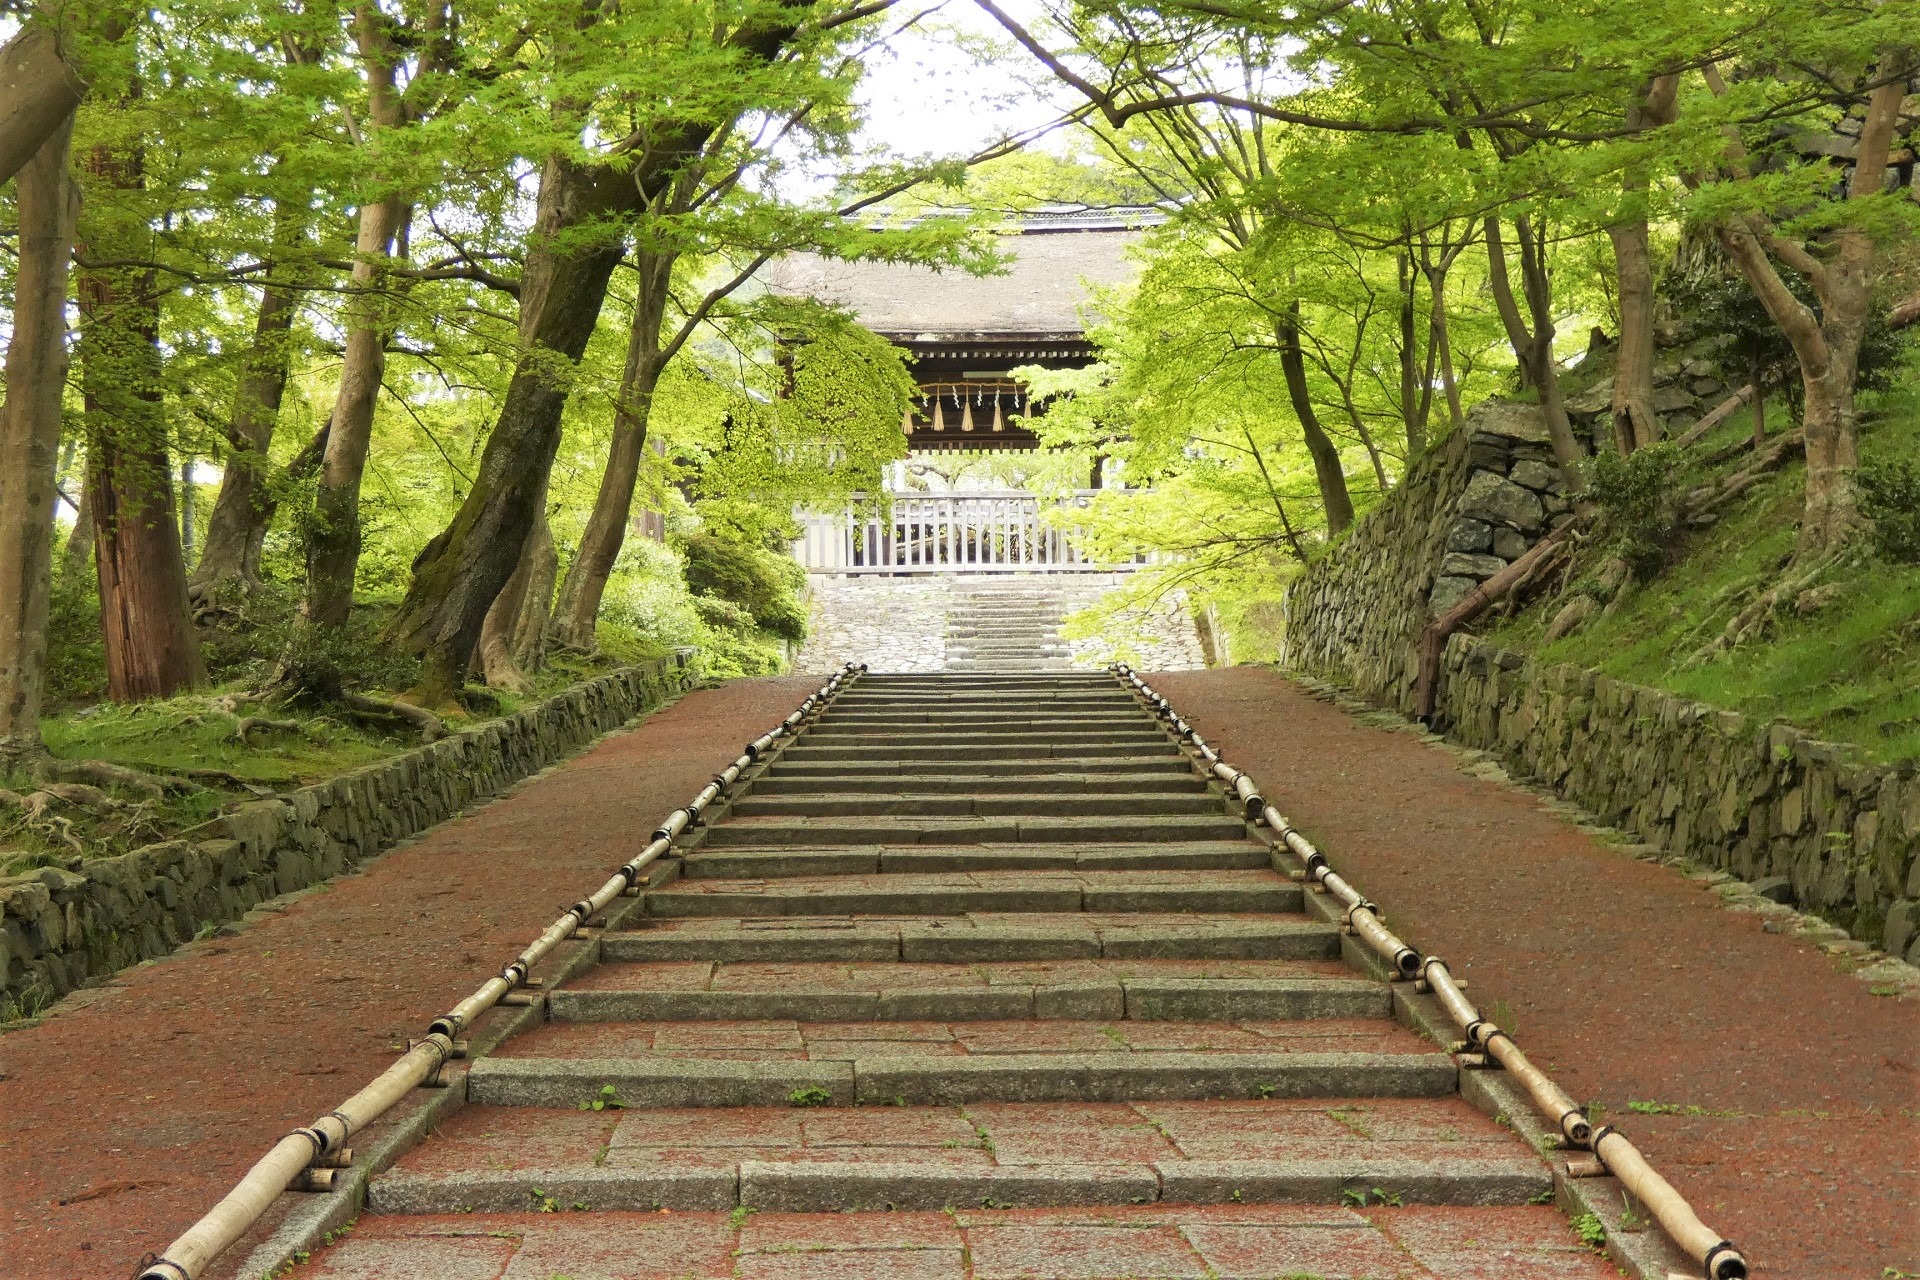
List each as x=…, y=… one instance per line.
x=1848, y=671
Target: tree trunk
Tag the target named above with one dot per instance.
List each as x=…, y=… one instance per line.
x=48, y=205
x=151, y=650
x=1442, y=340
x=80, y=541
x=40, y=85
x=1332, y=478
x=1827, y=345
x=542, y=563
x=333, y=545
x=1757, y=381
x=1533, y=348
x=1635, y=423
x=586, y=581
x=458, y=574
x=186, y=507
x=243, y=508
x=1410, y=411
x=505, y=652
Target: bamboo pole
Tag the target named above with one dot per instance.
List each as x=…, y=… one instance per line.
x=320, y=1144
x=1718, y=1258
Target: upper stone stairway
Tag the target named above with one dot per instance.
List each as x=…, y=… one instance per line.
x=1011, y=623
x=979, y=978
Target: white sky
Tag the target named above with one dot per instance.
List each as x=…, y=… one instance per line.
x=929, y=92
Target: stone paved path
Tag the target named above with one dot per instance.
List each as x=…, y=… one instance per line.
x=1776, y=1091
x=978, y=979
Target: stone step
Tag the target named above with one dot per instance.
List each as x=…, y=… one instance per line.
x=966, y=939
x=852, y=860
x=874, y=1076
x=840, y=784
x=1159, y=1238
x=1010, y=1154
x=980, y=804
x=810, y=749
x=904, y=991
x=961, y=894
x=1141, y=732
x=790, y=766
x=737, y=831
x=1005, y=717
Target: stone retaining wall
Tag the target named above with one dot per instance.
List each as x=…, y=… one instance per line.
x=1803, y=820
x=1465, y=511
x=62, y=927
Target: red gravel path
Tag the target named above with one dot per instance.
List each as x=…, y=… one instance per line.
x=1624, y=978
x=140, y=1103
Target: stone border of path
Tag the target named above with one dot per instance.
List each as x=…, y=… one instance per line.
x=1884, y=974
x=62, y=928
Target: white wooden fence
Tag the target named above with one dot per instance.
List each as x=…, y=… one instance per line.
x=974, y=532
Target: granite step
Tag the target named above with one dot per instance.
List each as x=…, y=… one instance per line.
x=882, y=829
x=1167, y=763
x=873, y=1075
x=780, y=783
x=994, y=891
x=850, y=860
x=786, y=1159
x=981, y=937
x=983, y=804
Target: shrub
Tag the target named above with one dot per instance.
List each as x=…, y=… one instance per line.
x=1890, y=496
x=1636, y=494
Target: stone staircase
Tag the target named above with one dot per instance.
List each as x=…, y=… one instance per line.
x=1010, y=623
x=981, y=980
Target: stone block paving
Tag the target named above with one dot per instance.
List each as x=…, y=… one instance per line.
x=783, y=1041
x=1146, y=1242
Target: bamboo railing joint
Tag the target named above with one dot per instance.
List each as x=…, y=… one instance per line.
x=306, y=1157
x=1485, y=1046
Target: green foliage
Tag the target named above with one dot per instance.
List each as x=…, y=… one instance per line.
x=764, y=584
x=1890, y=497
x=1590, y=1230
x=810, y=1096
x=1636, y=492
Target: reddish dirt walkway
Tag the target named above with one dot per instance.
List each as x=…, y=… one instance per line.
x=1625, y=979
x=129, y=1111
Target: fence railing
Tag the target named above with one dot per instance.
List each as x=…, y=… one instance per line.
x=986, y=532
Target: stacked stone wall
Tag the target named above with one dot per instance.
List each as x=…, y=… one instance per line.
x=1473, y=505
x=62, y=926
x=1807, y=821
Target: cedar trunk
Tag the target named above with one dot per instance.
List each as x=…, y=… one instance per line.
x=151, y=650
x=586, y=581
x=1332, y=477
x=244, y=508
x=48, y=205
x=459, y=572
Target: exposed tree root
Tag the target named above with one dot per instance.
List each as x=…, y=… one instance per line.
x=431, y=727
x=1753, y=621
x=245, y=727
x=1706, y=498
x=100, y=773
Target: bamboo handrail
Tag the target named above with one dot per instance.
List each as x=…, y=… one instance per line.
x=187, y=1257
x=1718, y=1257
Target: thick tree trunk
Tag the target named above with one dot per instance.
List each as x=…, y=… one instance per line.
x=458, y=574
x=1331, y=476
x=506, y=651
x=151, y=650
x=1635, y=423
x=1827, y=345
x=1533, y=347
x=586, y=581
x=40, y=83
x=48, y=205
x=333, y=545
x=243, y=508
